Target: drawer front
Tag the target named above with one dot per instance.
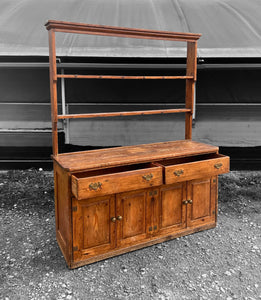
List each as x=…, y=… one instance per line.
x=198, y=169
x=86, y=187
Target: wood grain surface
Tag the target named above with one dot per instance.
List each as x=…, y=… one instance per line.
x=115, y=182
x=178, y=172
x=84, y=160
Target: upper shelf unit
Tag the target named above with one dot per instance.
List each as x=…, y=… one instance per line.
x=79, y=28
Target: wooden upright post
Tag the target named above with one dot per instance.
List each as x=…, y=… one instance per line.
x=190, y=86
x=53, y=90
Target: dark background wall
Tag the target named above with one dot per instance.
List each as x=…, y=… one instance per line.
x=227, y=111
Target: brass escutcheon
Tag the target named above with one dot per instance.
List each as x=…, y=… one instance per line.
x=218, y=166
x=147, y=177
x=153, y=193
x=178, y=172
x=95, y=186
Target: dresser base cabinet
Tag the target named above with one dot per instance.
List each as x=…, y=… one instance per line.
x=104, y=212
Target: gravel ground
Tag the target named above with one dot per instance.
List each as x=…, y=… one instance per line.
x=221, y=263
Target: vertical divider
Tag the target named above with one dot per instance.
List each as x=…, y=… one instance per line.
x=53, y=90
x=190, y=86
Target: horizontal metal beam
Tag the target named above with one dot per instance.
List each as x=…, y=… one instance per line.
x=229, y=66
x=133, y=104
x=124, y=66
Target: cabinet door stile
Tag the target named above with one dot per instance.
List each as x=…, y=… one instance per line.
x=77, y=218
x=152, y=213
x=214, y=197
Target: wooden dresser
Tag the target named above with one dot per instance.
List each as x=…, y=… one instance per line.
x=116, y=200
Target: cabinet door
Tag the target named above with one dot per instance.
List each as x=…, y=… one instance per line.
x=202, y=209
x=172, y=211
x=131, y=217
x=93, y=228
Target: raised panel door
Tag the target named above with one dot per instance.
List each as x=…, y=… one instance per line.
x=93, y=228
x=172, y=210
x=201, y=194
x=131, y=217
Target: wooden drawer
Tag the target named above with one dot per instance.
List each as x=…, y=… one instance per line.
x=177, y=170
x=115, y=180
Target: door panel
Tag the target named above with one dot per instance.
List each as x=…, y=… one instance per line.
x=172, y=210
x=202, y=192
x=131, y=209
x=93, y=232
x=95, y=217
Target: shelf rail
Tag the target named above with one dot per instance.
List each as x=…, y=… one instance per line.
x=124, y=113
x=76, y=76
x=54, y=26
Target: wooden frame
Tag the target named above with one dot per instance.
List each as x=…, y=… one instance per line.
x=112, y=201
x=80, y=28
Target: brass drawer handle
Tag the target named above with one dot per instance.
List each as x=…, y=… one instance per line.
x=119, y=218
x=113, y=219
x=190, y=201
x=147, y=177
x=218, y=166
x=95, y=186
x=178, y=172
